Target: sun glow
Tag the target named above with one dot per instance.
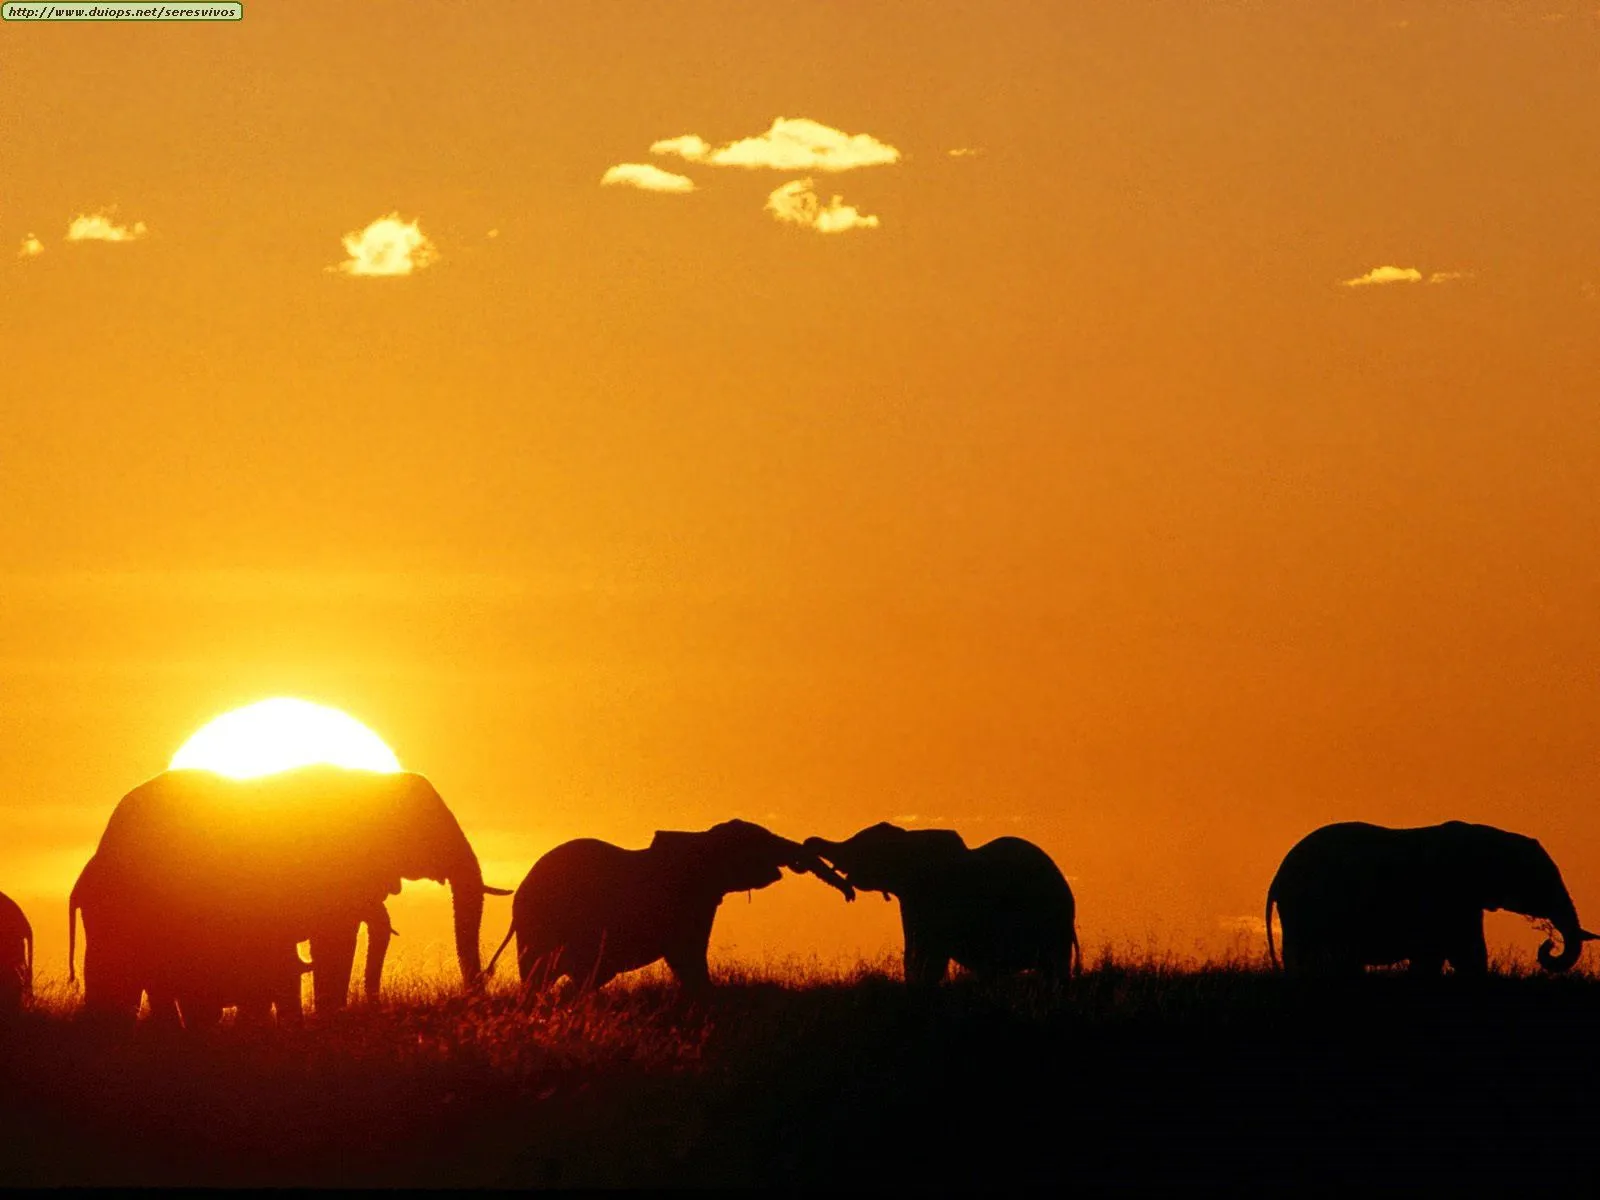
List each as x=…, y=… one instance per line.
x=279, y=735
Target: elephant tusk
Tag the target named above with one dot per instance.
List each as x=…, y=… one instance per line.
x=1585, y=936
x=494, y=891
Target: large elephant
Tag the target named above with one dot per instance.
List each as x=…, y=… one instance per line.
x=202, y=885
x=16, y=955
x=590, y=910
x=997, y=909
x=1354, y=895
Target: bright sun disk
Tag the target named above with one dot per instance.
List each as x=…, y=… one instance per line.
x=279, y=735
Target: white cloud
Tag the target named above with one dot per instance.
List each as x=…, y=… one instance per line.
x=792, y=144
x=1449, y=276
x=388, y=246
x=100, y=228
x=797, y=202
x=688, y=146
x=647, y=178
x=965, y=152
x=32, y=247
x=1386, y=275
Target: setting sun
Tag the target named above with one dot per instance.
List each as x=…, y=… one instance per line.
x=280, y=734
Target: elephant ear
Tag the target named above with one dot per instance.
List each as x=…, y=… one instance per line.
x=677, y=845
x=731, y=856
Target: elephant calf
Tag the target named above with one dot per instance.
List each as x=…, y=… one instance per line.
x=1354, y=895
x=590, y=910
x=1001, y=908
x=16, y=956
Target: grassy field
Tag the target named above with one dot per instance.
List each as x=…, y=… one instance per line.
x=1137, y=1073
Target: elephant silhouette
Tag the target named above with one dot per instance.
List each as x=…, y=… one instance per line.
x=202, y=886
x=998, y=909
x=16, y=956
x=589, y=910
x=1353, y=895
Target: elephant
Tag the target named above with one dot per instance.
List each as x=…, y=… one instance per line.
x=202, y=885
x=999, y=909
x=1353, y=895
x=16, y=956
x=589, y=910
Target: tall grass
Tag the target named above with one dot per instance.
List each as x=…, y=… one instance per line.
x=799, y=1071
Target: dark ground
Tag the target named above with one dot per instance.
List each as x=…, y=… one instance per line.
x=1136, y=1076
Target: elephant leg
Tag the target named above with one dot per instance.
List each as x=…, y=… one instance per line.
x=1428, y=962
x=1469, y=953
x=1055, y=968
x=109, y=987
x=333, y=954
x=539, y=963
x=926, y=964
x=199, y=1010
x=689, y=967
x=687, y=950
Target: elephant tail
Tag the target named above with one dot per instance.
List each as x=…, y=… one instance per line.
x=27, y=966
x=1074, y=955
x=1272, y=951
x=506, y=941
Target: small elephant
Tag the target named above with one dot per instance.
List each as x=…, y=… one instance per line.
x=590, y=910
x=997, y=909
x=1353, y=895
x=16, y=956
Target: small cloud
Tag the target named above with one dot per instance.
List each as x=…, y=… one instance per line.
x=688, y=146
x=101, y=228
x=1449, y=276
x=905, y=819
x=965, y=152
x=1386, y=275
x=493, y=233
x=792, y=144
x=798, y=203
x=32, y=247
x=647, y=178
x=388, y=246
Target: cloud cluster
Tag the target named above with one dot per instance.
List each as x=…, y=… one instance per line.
x=388, y=246
x=1381, y=275
x=32, y=247
x=99, y=227
x=792, y=144
x=646, y=178
x=797, y=203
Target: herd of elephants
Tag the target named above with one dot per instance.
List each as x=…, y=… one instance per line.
x=202, y=888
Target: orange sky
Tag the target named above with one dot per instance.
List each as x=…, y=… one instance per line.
x=1080, y=498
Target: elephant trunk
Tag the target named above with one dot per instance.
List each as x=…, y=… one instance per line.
x=1572, y=934
x=466, y=894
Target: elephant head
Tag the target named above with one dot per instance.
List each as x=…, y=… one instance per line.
x=886, y=858
x=739, y=856
x=1513, y=872
x=378, y=830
